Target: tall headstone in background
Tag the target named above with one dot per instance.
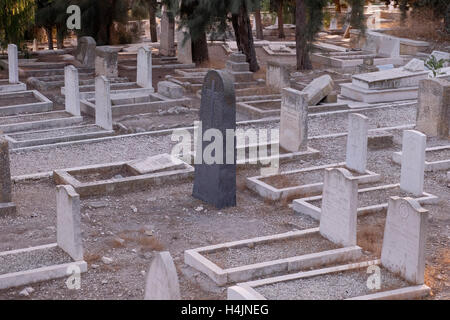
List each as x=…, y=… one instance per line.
x=215, y=159
x=13, y=63
x=358, y=126
x=413, y=162
x=162, y=279
x=144, y=68
x=106, y=61
x=404, y=239
x=294, y=120
x=167, y=39
x=72, y=87
x=184, y=46
x=103, y=111
x=433, y=109
x=6, y=205
x=85, y=52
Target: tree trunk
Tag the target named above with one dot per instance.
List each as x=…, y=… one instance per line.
x=280, y=20
x=152, y=19
x=244, y=36
x=337, y=5
x=302, y=46
x=59, y=38
x=447, y=19
x=48, y=31
x=200, y=49
x=258, y=23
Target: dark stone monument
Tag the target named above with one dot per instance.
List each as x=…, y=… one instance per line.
x=6, y=206
x=216, y=183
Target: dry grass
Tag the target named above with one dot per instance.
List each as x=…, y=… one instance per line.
x=90, y=258
x=370, y=237
x=437, y=275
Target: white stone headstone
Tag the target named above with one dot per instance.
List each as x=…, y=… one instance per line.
x=13, y=63
x=442, y=55
x=162, y=279
x=318, y=89
x=72, y=90
x=35, y=45
x=404, y=239
x=415, y=65
x=294, y=120
x=333, y=24
x=184, y=46
x=339, y=207
x=144, y=68
x=69, y=222
x=358, y=126
x=103, y=111
x=413, y=162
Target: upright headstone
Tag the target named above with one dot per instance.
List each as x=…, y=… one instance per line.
x=69, y=222
x=106, y=61
x=333, y=24
x=294, y=120
x=144, y=68
x=413, y=162
x=35, y=45
x=103, y=112
x=338, y=216
x=404, y=239
x=184, y=46
x=162, y=279
x=72, y=90
x=6, y=206
x=358, y=126
x=85, y=52
x=278, y=74
x=433, y=109
x=167, y=40
x=215, y=181
x=13, y=63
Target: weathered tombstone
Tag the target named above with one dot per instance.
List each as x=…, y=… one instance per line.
x=85, y=52
x=278, y=75
x=215, y=181
x=294, y=120
x=35, y=45
x=13, y=64
x=106, y=61
x=338, y=216
x=358, y=127
x=6, y=206
x=318, y=89
x=69, y=222
x=167, y=40
x=144, y=68
x=72, y=90
x=404, y=239
x=170, y=90
x=415, y=65
x=413, y=162
x=433, y=109
x=184, y=46
x=162, y=279
x=442, y=55
x=103, y=112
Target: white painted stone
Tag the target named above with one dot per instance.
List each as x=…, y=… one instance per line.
x=162, y=279
x=358, y=127
x=13, y=63
x=184, y=46
x=103, y=111
x=72, y=92
x=69, y=222
x=170, y=90
x=144, y=68
x=339, y=207
x=413, y=162
x=415, y=65
x=382, y=44
x=389, y=79
x=294, y=120
x=404, y=239
x=278, y=75
x=318, y=89
x=442, y=55
x=157, y=163
x=35, y=45
x=333, y=24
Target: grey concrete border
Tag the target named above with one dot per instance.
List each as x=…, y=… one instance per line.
x=429, y=166
x=40, y=124
x=43, y=105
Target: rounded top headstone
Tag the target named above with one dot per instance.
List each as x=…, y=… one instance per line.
x=220, y=81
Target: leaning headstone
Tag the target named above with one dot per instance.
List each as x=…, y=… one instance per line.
x=85, y=52
x=404, y=239
x=144, y=68
x=106, y=61
x=103, y=111
x=358, y=127
x=69, y=222
x=72, y=93
x=184, y=46
x=433, y=109
x=413, y=162
x=13, y=64
x=215, y=162
x=167, y=40
x=6, y=206
x=294, y=120
x=318, y=89
x=338, y=216
x=162, y=279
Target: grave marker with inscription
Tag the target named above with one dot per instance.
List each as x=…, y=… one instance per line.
x=72, y=94
x=357, y=142
x=413, y=162
x=13, y=64
x=144, y=68
x=167, y=39
x=162, y=279
x=294, y=120
x=103, y=111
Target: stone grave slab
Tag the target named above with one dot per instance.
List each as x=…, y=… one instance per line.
x=32, y=101
x=162, y=279
x=157, y=163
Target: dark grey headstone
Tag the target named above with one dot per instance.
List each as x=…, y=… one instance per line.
x=216, y=183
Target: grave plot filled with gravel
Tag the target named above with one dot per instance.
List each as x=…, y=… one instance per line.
x=34, y=117
x=55, y=133
x=438, y=155
x=274, y=250
x=335, y=286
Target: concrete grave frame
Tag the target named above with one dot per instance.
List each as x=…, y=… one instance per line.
x=12, y=83
x=429, y=165
x=43, y=104
x=221, y=277
x=5, y=86
x=126, y=88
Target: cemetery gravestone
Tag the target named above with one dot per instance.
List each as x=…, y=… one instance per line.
x=72, y=94
x=86, y=51
x=103, y=111
x=144, y=68
x=404, y=239
x=6, y=206
x=318, y=89
x=413, y=162
x=294, y=120
x=162, y=279
x=167, y=45
x=356, y=158
x=339, y=207
x=184, y=46
x=13, y=63
x=106, y=61
x=215, y=183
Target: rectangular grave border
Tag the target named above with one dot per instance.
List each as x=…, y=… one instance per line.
x=429, y=165
x=30, y=276
x=103, y=187
x=270, y=192
x=247, y=290
x=6, y=87
x=221, y=277
x=43, y=105
x=333, y=59
x=116, y=89
x=303, y=205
